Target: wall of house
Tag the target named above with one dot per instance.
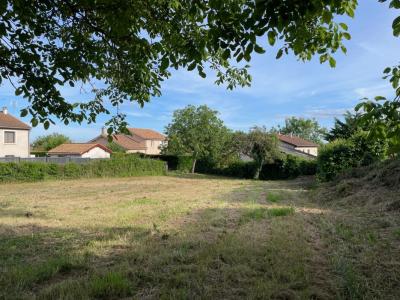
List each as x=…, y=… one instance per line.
x=153, y=147
x=21, y=146
x=309, y=150
x=96, y=152
x=136, y=151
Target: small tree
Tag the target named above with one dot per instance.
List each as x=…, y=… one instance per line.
x=308, y=129
x=50, y=141
x=196, y=131
x=259, y=145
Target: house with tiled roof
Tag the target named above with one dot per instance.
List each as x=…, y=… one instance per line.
x=14, y=136
x=84, y=150
x=295, y=145
x=140, y=140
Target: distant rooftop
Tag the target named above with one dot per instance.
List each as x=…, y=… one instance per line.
x=296, y=141
x=8, y=121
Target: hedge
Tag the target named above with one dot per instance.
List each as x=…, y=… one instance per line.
x=182, y=163
x=117, y=166
x=287, y=168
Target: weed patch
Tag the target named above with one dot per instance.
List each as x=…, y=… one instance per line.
x=280, y=211
x=110, y=286
x=274, y=197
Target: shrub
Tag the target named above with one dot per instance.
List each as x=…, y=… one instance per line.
x=117, y=166
x=334, y=158
x=341, y=155
x=289, y=167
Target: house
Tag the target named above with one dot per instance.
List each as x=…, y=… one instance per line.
x=139, y=140
x=14, y=136
x=297, y=146
x=83, y=150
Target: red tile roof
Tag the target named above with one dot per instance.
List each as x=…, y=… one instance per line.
x=76, y=148
x=128, y=142
x=147, y=134
x=296, y=141
x=10, y=122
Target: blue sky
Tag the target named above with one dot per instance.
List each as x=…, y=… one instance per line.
x=280, y=88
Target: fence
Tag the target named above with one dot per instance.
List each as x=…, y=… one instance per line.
x=53, y=160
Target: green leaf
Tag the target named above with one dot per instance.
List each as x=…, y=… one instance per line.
x=271, y=37
x=279, y=54
x=164, y=63
x=24, y=112
x=46, y=125
x=34, y=122
x=379, y=98
x=346, y=35
x=18, y=91
x=396, y=26
x=332, y=62
x=344, y=26
x=192, y=66
x=387, y=70
x=259, y=49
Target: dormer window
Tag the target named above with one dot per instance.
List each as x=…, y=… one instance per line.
x=9, y=137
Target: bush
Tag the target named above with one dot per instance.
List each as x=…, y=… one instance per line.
x=290, y=167
x=117, y=166
x=334, y=158
x=341, y=155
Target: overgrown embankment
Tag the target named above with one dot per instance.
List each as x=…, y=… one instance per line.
x=376, y=186
x=361, y=234
x=117, y=166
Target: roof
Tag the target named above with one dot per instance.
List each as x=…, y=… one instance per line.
x=76, y=148
x=10, y=122
x=296, y=141
x=128, y=142
x=147, y=134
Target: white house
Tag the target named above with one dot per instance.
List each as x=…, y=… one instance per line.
x=297, y=146
x=139, y=140
x=83, y=150
x=14, y=136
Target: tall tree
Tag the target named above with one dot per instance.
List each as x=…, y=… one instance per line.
x=260, y=145
x=130, y=46
x=196, y=131
x=344, y=129
x=50, y=141
x=308, y=129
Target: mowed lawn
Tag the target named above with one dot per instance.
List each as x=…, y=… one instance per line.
x=168, y=238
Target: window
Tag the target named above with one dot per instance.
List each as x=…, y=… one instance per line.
x=9, y=137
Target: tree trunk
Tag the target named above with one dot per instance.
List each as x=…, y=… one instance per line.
x=194, y=165
x=258, y=170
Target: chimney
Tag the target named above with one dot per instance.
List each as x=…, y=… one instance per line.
x=5, y=110
x=104, y=131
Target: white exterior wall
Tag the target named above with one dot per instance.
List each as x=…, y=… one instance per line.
x=309, y=150
x=96, y=152
x=21, y=146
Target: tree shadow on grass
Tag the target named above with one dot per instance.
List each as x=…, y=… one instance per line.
x=217, y=253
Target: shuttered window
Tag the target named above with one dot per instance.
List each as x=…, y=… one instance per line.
x=9, y=137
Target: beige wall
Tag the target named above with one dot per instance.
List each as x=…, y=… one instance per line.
x=309, y=150
x=21, y=146
x=136, y=151
x=96, y=152
x=153, y=147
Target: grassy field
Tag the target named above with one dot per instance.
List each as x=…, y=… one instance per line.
x=190, y=238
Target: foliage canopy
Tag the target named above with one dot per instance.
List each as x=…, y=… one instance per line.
x=198, y=132
x=130, y=46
